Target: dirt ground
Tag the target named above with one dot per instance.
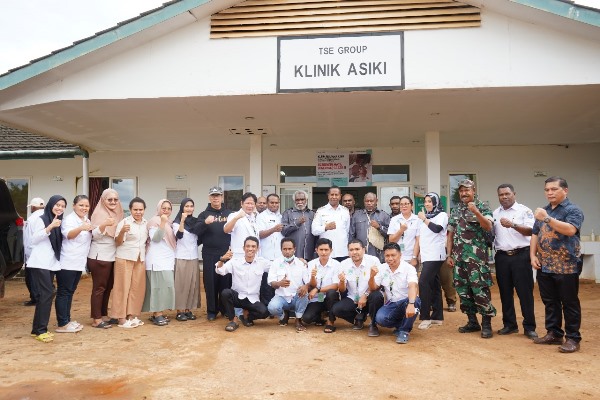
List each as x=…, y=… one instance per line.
x=198, y=359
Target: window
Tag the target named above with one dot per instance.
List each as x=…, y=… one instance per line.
x=19, y=191
x=296, y=174
x=233, y=189
x=391, y=173
x=127, y=189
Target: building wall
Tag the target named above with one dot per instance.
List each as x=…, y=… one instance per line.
x=503, y=52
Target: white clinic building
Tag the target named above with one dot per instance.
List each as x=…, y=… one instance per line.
x=250, y=95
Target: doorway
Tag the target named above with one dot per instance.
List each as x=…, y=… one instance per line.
x=319, y=195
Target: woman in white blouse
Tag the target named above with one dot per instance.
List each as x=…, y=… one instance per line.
x=187, y=272
x=46, y=243
x=160, y=264
x=129, y=273
x=432, y=246
x=75, y=229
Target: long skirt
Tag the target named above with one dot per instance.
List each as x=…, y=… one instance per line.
x=160, y=291
x=187, y=284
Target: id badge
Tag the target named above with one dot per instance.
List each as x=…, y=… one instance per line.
x=356, y=298
x=320, y=297
x=401, y=247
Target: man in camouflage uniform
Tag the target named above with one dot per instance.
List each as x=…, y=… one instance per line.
x=467, y=249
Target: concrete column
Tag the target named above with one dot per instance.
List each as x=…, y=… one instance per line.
x=255, y=174
x=432, y=161
x=86, y=176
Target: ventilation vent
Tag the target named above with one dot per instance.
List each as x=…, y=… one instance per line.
x=248, y=131
x=254, y=18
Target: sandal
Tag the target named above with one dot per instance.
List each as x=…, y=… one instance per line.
x=181, y=317
x=329, y=328
x=245, y=321
x=112, y=321
x=102, y=325
x=44, y=337
x=160, y=321
x=231, y=326
x=190, y=315
x=299, y=326
x=139, y=322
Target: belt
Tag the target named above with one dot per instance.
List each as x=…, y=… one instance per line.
x=513, y=251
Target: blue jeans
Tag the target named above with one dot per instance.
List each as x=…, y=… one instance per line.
x=66, y=284
x=393, y=315
x=278, y=304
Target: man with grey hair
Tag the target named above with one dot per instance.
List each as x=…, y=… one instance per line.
x=370, y=219
x=297, y=222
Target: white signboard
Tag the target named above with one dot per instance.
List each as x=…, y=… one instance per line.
x=344, y=168
x=340, y=63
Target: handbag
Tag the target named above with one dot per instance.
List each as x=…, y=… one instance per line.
x=375, y=237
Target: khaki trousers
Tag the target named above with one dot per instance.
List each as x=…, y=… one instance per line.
x=129, y=288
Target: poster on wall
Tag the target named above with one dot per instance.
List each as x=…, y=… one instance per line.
x=344, y=168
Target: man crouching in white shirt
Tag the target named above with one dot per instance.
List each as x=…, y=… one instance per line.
x=246, y=273
x=289, y=277
x=400, y=282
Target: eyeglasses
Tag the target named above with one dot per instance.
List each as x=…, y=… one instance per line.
x=112, y=200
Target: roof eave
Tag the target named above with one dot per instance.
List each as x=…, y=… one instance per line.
x=575, y=12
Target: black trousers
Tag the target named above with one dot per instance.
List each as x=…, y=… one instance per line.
x=31, y=286
x=515, y=273
x=214, y=283
x=43, y=278
x=314, y=310
x=267, y=292
x=347, y=308
x=430, y=291
x=560, y=294
x=230, y=300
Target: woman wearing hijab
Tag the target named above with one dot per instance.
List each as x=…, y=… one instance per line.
x=129, y=275
x=187, y=273
x=160, y=263
x=76, y=240
x=432, y=246
x=101, y=258
x=44, y=261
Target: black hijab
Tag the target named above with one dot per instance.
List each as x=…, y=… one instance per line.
x=437, y=205
x=190, y=221
x=48, y=217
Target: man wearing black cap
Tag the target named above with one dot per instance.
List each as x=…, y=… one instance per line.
x=215, y=248
x=467, y=248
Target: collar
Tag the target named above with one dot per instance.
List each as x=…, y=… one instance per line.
x=513, y=207
x=272, y=213
x=563, y=203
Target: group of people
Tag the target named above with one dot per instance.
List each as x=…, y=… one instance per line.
x=334, y=262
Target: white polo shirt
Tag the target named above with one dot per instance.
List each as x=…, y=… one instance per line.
x=326, y=274
x=357, y=278
x=432, y=245
x=270, y=247
x=396, y=283
x=339, y=235
x=245, y=277
x=408, y=239
x=243, y=228
x=296, y=272
x=508, y=238
x=74, y=252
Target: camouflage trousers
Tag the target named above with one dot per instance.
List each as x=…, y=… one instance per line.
x=472, y=281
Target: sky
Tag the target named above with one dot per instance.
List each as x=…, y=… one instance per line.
x=30, y=29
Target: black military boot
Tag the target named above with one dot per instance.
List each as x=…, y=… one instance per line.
x=486, y=327
x=471, y=326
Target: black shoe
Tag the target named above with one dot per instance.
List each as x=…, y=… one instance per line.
x=286, y=317
x=507, y=331
x=29, y=303
x=531, y=335
x=471, y=326
x=190, y=316
x=358, y=324
x=181, y=317
x=486, y=327
x=373, y=331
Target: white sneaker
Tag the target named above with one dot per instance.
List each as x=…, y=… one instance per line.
x=69, y=328
x=425, y=324
x=437, y=322
x=137, y=322
x=129, y=324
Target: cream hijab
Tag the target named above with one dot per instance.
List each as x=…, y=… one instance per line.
x=155, y=222
x=101, y=212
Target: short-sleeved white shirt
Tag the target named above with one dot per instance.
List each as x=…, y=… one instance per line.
x=408, y=239
x=243, y=228
x=74, y=252
x=326, y=274
x=187, y=246
x=357, y=278
x=508, y=238
x=270, y=247
x=245, y=277
x=296, y=271
x=396, y=283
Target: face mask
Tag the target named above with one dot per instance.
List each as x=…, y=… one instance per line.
x=288, y=259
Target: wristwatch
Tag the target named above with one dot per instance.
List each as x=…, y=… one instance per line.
x=547, y=220
x=411, y=302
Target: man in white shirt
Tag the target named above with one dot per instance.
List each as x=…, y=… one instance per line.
x=324, y=283
x=289, y=278
x=36, y=206
x=400, y=282
x=332, y=221
x=269, y=231
x=354, y=278
x=246, y=275
x=513, y=223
